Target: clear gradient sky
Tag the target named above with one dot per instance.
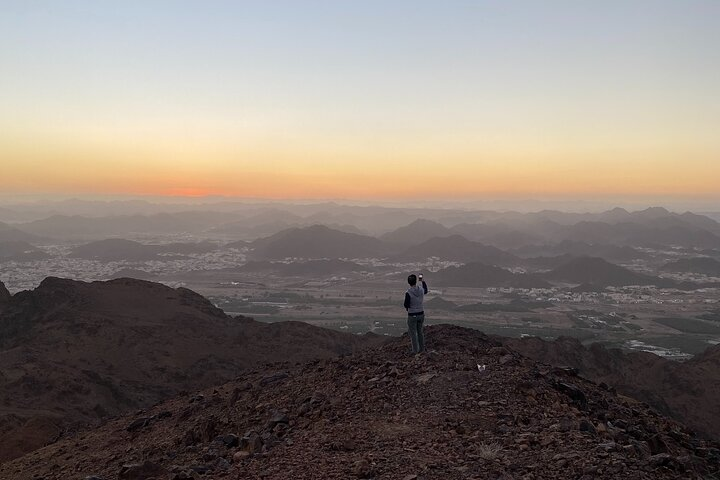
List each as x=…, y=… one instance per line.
x=361, y=99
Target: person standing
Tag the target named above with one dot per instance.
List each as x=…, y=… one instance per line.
x=416, y=315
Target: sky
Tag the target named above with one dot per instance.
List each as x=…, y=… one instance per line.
x=361, y=100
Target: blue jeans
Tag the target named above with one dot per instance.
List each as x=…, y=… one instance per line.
x=415, y=330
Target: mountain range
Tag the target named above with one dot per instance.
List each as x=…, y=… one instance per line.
x=406, y=226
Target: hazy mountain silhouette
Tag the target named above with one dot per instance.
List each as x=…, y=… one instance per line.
x=480, y=275
x=79, y=227
x=637, y=234
x=547, y=263
x=76, y=352
x=650, y=227
x=19, y=251
x=417, y=232
x=702, y=265
x=439, y=303
x=253, y=232
x=601, y=273
x=9, y=233
x=264, y=223
x=498, y=235
x=701, y=221
x=568, y=247
x=9, y=215
x=456, y=248
x=657, y=217
x=318, y=241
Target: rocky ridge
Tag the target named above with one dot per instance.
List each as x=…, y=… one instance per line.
x=470, y=408
x=687, y=391
x=73, y=354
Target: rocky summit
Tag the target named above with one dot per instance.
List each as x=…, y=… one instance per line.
x=468, y=408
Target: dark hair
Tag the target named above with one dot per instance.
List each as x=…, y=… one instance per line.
x=412, y=279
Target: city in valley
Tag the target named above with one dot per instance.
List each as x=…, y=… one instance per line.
x=641, y=280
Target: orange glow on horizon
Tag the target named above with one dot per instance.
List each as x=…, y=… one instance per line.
x=352, y=169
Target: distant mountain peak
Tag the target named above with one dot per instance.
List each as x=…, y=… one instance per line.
x=417, y=232
x=317, y=241
x=660, y=211
x=424, y=222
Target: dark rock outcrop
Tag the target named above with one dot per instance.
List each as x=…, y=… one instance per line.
x=383, y=414
x=688, y=392
x=4, y=295
x=74, y=353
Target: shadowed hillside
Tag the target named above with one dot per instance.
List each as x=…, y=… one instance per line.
x=479, y=275
x=419, y=231
x=18, y=251
x=72, y=353
x=702, y=265
x=598, y=272
x=318, y=241
x=456, y=248
x=689, y=391
x=11, y=234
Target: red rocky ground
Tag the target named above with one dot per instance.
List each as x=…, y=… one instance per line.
x=383, y=414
